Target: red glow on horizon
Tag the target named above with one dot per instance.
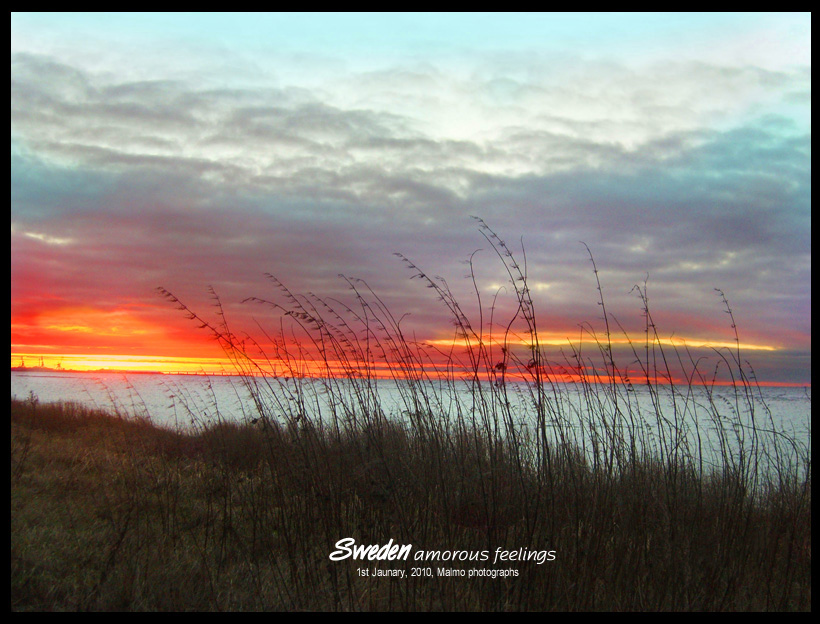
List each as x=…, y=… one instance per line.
x=308, y=368
x=128, y=338
x=126, y=333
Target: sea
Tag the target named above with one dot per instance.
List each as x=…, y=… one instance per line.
x=197, y=401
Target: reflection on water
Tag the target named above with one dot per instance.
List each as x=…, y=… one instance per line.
x=186, y=401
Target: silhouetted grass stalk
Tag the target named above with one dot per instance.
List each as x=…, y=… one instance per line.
x=696, y=502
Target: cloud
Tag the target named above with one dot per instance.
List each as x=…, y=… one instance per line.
x=695, y=173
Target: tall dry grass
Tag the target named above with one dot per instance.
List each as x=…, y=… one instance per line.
x=697, y=502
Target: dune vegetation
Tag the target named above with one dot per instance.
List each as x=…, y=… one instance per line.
x=697, y=504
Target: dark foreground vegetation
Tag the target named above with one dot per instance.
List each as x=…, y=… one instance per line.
x=699, y=506
x=111, y=514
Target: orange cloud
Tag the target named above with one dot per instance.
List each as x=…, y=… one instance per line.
x=86, y=330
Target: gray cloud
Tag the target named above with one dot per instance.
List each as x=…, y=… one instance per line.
x=157, y=182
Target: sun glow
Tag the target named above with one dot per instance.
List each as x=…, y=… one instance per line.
x=101, y=323
x=558, y=339
x=130, y=363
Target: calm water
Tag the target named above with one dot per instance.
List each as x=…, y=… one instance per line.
x=185, y=401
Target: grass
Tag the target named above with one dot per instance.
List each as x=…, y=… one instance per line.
x=701, y=506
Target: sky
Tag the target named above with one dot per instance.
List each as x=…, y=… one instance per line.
x=201, y=152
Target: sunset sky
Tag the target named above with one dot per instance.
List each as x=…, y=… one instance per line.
x=189, y=151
